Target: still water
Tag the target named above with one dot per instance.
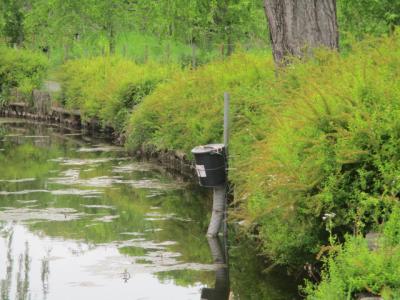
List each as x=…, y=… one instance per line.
x=81, y=220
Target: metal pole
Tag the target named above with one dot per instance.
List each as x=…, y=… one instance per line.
x=221, y=289
x=219, y=212
x=226, y=121
x=226, y=143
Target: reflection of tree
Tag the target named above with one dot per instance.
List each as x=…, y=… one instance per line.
x=25, y=160
x=191, y=243
x=44, y=275
x=248, y=279
x=186, y=277
x=6, y=283
x=185, y=211
x=23, y=275
x=2, y=131
x=221, y=289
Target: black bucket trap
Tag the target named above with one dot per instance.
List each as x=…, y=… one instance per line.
x=210, y=164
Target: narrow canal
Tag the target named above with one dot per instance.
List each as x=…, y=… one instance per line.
x=79, y=219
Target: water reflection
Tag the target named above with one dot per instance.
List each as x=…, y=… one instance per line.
x=81, y=215
x=23, y=274
x=221, y=286
x=80, y=220
x=44, y=274
x=6, y=283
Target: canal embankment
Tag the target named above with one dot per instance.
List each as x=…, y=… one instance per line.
x=314, y=149
x=39, y=107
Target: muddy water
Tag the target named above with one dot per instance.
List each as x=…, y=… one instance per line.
x=81, y=220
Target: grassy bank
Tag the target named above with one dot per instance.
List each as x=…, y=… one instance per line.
x=314, y=148
x=321, y=139
x=108, y=88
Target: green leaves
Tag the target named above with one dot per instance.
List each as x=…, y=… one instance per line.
x=108, y=88
x=356, y=269
x=20, y=69
x=70, y=29
x=12, y=21
x=368, y=17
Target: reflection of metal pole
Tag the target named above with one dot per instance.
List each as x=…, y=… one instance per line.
x=221, y=290
x=219, y=211
x=217, y=215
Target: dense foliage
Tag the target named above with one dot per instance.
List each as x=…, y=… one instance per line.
x=195, y=29
x=108, y=88
x=333, y=149
x=354, y=268
x=188, y=110
x=20, y=69
x=191, y=32
x=373, y=17
x=319, y=138
x=322, y=138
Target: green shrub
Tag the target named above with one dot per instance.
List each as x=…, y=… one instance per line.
x=108, y=88
x=355, y=269
x=321, y=137
x=188, y=110
x=131, y=95
x=20, y=69
x=334, y=148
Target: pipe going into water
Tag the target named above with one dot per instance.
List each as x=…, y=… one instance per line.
x=217, y=216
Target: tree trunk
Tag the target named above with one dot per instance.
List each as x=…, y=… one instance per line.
x=194, y=62
x=111, y=40
x=229, y=42
x=297, y=26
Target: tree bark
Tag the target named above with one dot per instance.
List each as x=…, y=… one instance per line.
x=111, y=40
x=297, y=26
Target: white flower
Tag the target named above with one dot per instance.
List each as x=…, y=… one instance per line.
x=328, y=216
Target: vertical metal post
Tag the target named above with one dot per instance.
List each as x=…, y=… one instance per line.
x=226, y=143
x=219, y=213
x=226, y=121
x=221, y=289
